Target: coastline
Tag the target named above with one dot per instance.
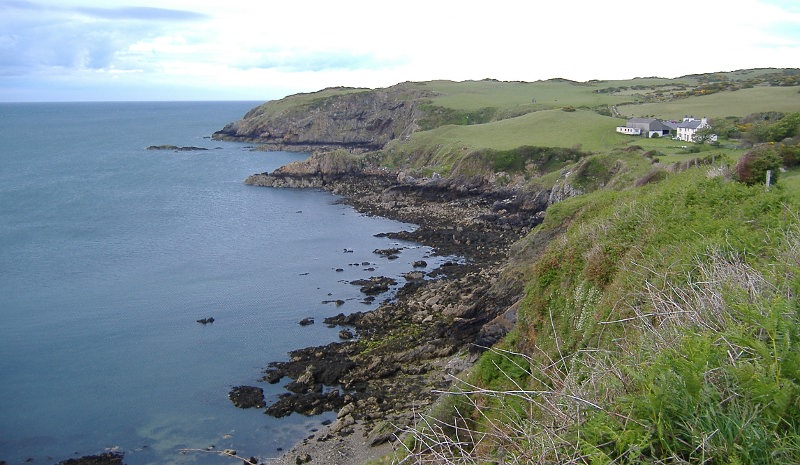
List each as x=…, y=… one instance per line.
x=420, y=341
x=414, y=345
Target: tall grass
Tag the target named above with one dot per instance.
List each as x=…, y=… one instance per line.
x=661, y=328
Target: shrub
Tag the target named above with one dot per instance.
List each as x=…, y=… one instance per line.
x=435, y=116
x=774, y=127
x=790, y=153
x=542, y=159
x=753, y=166
x=787, y=126
x=591, y=173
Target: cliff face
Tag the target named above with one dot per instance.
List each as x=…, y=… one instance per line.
x=359, y=120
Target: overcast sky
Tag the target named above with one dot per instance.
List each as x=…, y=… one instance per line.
x=75, y=50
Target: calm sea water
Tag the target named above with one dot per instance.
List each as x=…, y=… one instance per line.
x=109, y=253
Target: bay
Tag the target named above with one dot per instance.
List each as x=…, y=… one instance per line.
x=110, y=252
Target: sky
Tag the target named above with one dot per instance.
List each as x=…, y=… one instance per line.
x=129, y=50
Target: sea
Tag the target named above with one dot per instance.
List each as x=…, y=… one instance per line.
x=110, y=253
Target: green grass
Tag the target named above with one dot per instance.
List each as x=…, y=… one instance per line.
x=546, y=125
x=596, y=320
x=790, y=181
x=719, y=378
x=675, y=151
x=551, y=128
x=446, y=148
x=738, y=103
x=274, y=107
x=517, y=96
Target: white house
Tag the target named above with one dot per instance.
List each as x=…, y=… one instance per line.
x=689, y=126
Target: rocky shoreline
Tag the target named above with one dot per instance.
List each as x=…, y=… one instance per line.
x=415, y=344
x=395, y=358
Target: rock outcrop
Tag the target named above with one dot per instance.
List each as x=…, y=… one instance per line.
x=355, y=119
x=247, y=397
x=190, y=148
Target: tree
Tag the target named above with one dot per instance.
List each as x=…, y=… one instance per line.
x=703, y=135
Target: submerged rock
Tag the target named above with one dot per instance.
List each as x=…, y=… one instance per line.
x=109, y=458
x=374, y=285
x=176, y=148
x=392, y=252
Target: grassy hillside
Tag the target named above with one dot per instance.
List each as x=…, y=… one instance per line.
x=660, y=327
x=661, y=317
x=274, y=107
x=473, y=116
x=719, y=105
x=511, y=97
x=661, y=321
x=443, y=148
x=552, y=128
x=448, y=121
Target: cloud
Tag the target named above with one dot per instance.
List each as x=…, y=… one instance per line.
x=287, y=60
x=37, y=37
x=142, y=14
x=305, y=45
x=118, y=13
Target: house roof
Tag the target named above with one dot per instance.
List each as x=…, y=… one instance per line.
x=691, y=124
x=642, y=120
x=671, y=124
x=652, y=124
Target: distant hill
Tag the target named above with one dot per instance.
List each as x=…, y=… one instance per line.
x=464, y=128
x=414, y=116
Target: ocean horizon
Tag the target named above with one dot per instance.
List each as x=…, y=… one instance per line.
x=110, y=253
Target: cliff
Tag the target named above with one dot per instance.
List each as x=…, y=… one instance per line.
x=355, y=119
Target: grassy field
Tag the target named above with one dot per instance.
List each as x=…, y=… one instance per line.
x=544, y=123
x=512, y=96
x=519, y=97
x=462, y=118
x=722, y=104
x=550, y=128
x=672, y=151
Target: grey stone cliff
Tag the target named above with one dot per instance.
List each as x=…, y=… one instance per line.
x=355, y=119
